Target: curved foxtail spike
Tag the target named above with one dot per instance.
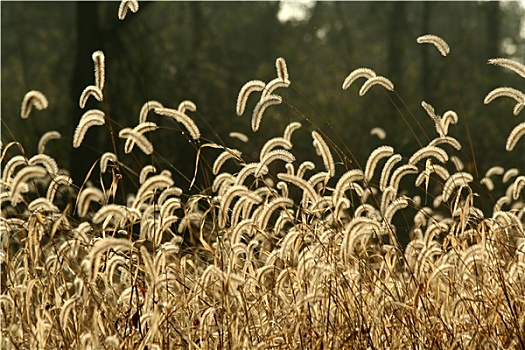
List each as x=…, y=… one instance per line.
x=146, y=108
x=154, y=182
x=518, y=185
x=140, y=129
x=514, y=136
x=261, y=107
x=273, y=143
x=273, y=85
x=456, y=180
x=514, y=66
x=239, y=136
x=379, y=80
x=447, y=140
x=374, y=158
x=100, y=68
x=133, y=137
x=509, y=174
x=403, y=170
x=89, y=119
x=91, y=90
x=356, y=74
x=223, y=157
x=290, y=128
x=429, y=151
x=305, y=166
x=43, y=159
x=19, y=183
x=105, y=159
x=308, y=190
x=515, y=94
x=429, y=109
x=282, y=70
x=50, y=135
x=345, y=182
x=84, y=199
x=33, y=99
x=182, y=118
x=187, y=105
x=271, y=207
x=324, y=151
x=58, y=180
x=246, y=90
x=125, y=5
x=435, y=40
x=379, y=132
x=271, y=156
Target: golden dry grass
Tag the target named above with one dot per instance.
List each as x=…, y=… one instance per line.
x=287, y=254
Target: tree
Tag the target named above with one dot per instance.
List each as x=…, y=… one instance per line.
x=206, y=51
x=88, y=40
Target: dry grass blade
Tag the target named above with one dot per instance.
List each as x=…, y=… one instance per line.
x=182, y=118
x=514, y=136
x=271, y=255
x=261, y=106
x=356, y=74
x=435, y=40
x=513, y=65
x=91, y=90
x=125, y=5
x=33, y=99
x=48, y=136
x=90, y=118
x=378, y=80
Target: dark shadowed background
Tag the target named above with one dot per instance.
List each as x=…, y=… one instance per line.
x=206, y=51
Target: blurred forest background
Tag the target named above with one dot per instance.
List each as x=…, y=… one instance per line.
x=206, y=51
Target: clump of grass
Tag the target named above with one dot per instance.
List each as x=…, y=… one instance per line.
x=284, y=253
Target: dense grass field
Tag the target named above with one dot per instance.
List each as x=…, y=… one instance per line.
x=278, y=253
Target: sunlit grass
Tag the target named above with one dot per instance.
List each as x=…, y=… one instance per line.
x=279, y=252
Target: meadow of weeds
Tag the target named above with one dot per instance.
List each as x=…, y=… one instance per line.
x=277, y=254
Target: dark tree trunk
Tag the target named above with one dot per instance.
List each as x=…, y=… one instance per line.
x=88, y=41
x=396, y=31
x=345, y=32
x=426, y=72
x=93, y=35
x=493, y=28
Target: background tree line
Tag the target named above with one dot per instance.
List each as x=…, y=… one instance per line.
x=206, y=51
